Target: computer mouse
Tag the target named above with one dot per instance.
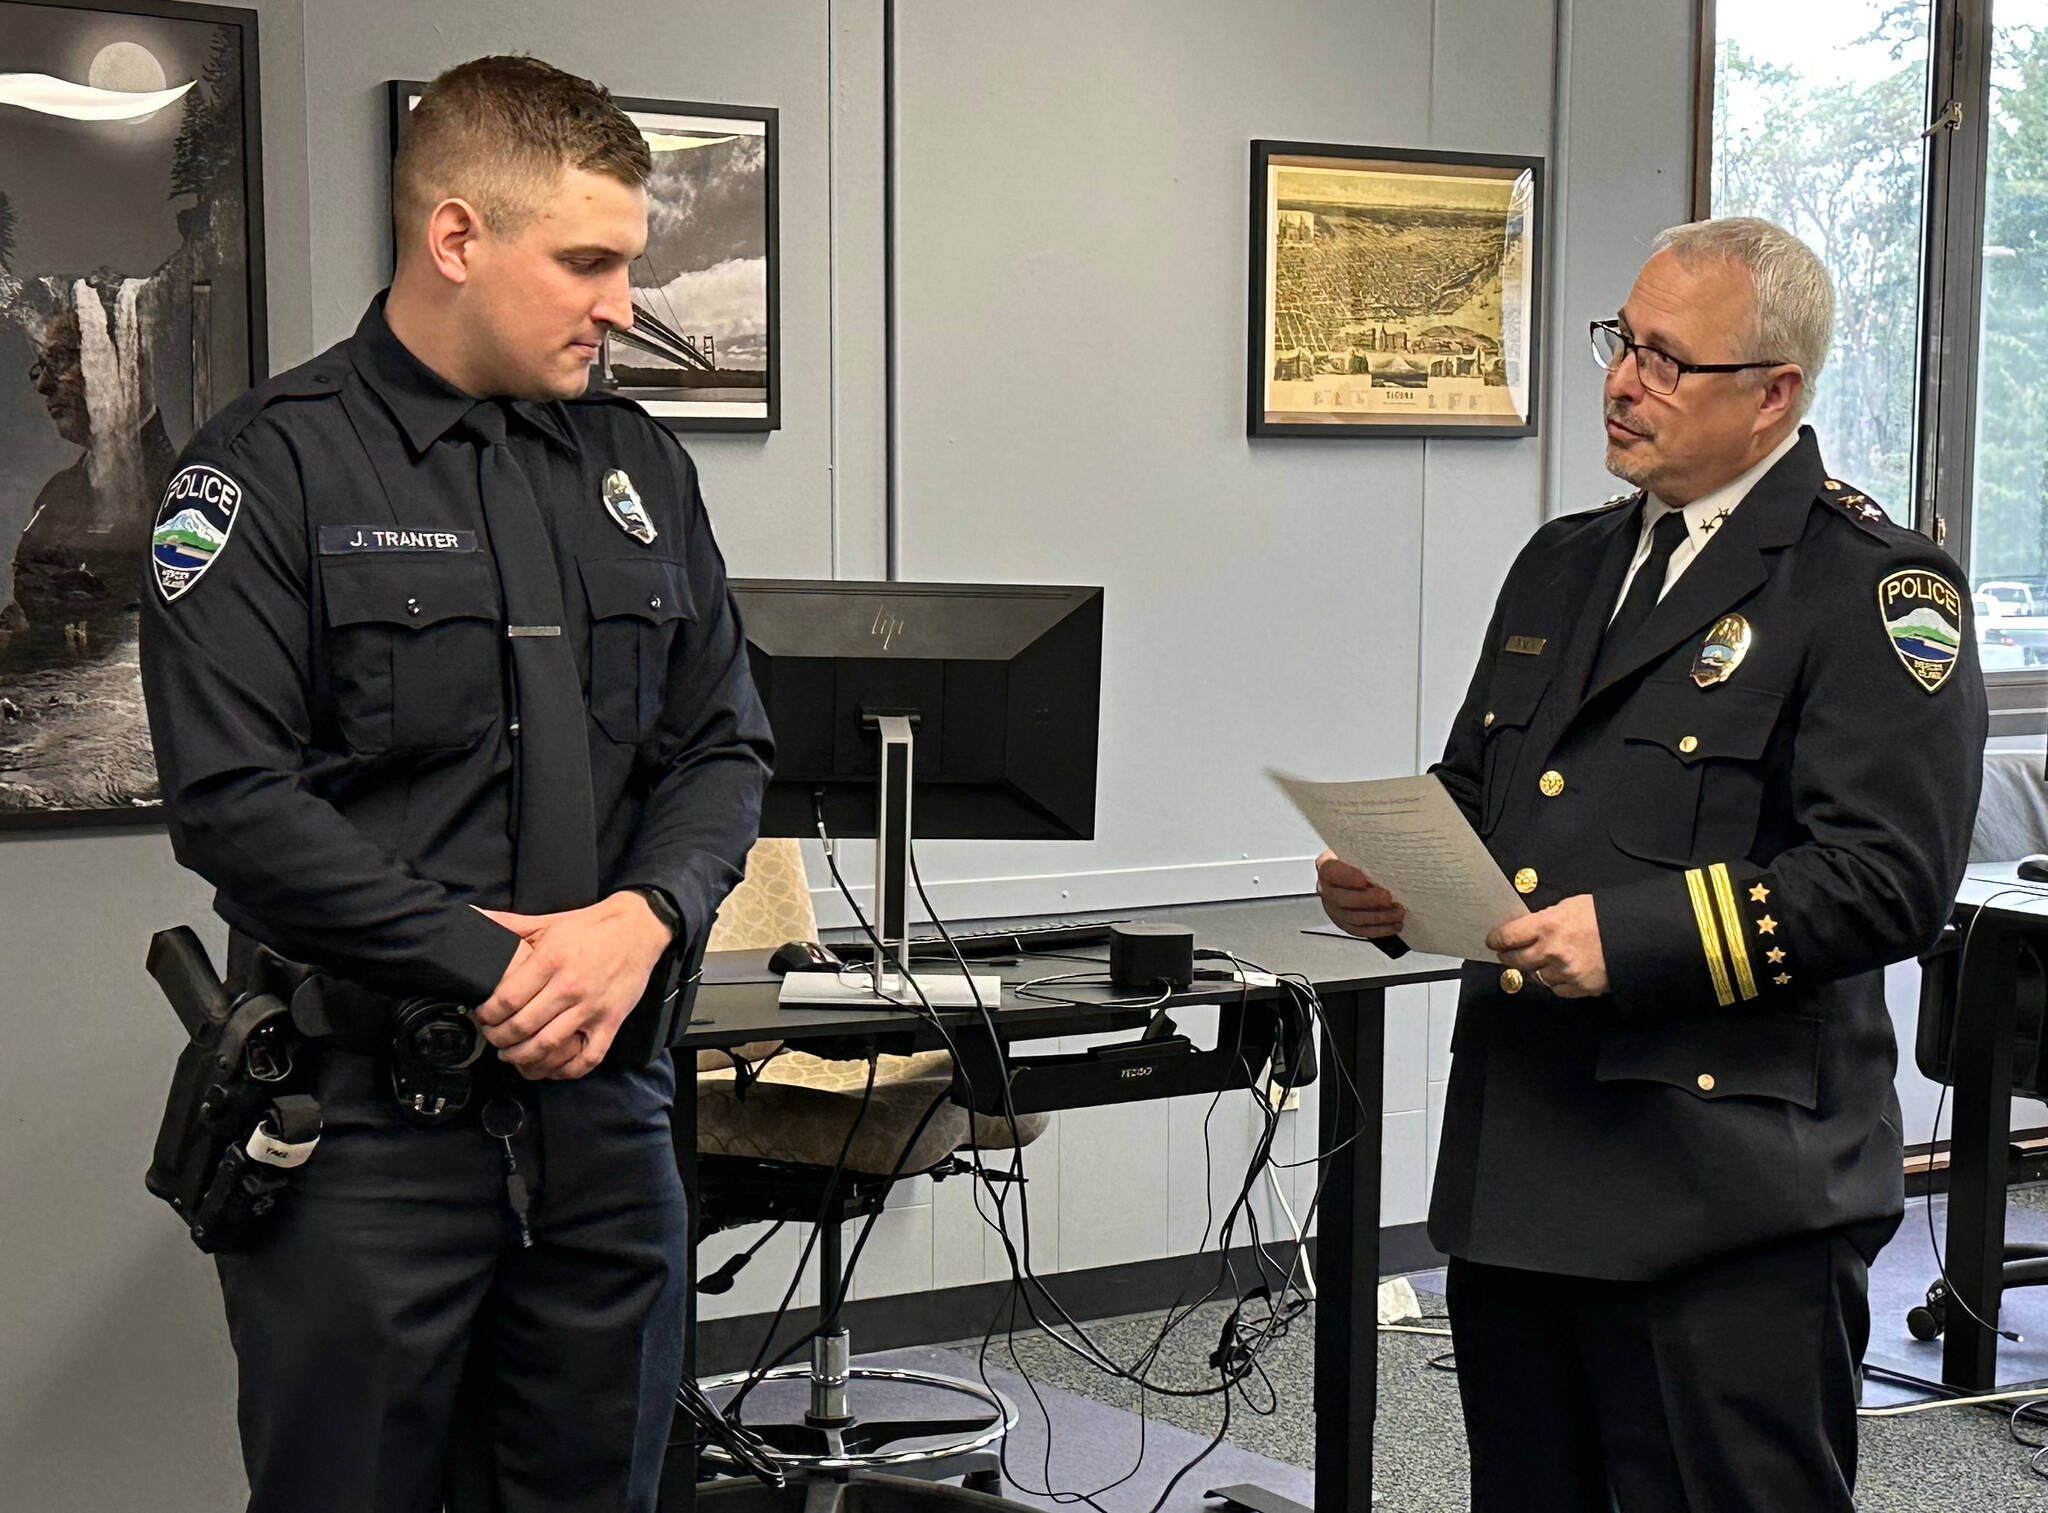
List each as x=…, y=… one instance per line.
x=803, y=956
x=2034, y=869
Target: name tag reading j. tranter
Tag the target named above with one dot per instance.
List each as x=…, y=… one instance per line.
x=337, y=539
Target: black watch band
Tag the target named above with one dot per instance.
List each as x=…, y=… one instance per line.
x=663, y=906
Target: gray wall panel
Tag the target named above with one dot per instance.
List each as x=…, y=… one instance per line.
x=1072, y=388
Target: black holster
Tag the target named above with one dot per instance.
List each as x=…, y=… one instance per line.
x=240, y=1117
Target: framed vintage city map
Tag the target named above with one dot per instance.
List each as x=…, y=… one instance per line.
x=1394, y=292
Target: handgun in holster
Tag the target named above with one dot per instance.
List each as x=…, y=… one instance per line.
x=238, y=1121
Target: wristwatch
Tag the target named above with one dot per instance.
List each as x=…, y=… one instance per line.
x=663, y=906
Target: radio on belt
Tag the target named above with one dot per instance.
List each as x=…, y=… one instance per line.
x=1151, y=956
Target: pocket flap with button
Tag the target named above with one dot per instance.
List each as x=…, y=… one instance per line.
x=646, y=588
x=1512, y=698
x=1745, y=1055
x=1695, y=724
x=409, y=590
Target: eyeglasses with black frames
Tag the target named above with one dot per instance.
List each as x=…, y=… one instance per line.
x=1658, y=370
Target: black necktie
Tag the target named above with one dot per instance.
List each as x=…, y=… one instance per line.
x=1643, y=592
x=555, y=844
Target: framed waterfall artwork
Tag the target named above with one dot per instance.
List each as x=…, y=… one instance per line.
x=1394, y=292
x=703, y=353
x=131, y=309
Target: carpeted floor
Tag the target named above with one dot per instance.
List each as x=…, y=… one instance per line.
x=1959, y=1459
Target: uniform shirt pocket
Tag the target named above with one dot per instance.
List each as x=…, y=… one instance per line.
x=1752, y=1055
x=413, y=652
x=1690, y=772
x=635, y=605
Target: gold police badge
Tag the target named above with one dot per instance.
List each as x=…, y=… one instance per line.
x=1727, y=644
x=1923, y=614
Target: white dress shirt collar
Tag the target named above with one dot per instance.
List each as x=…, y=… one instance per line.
x=1702, y=518
x=1705, y=514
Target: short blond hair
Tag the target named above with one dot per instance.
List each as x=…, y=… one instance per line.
x=498, y=132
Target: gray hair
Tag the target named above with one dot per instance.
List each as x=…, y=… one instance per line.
x=1795, y=298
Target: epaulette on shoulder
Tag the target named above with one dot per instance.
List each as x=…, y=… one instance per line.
x=1605, y=508
x=614, y=401
x=611, y=401
x=1855, y=505
x=635, y=408
x=309, y=380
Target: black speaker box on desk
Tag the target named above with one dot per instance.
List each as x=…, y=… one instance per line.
x=1151, y=956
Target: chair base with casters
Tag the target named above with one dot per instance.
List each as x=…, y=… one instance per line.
x=833, y=1449
x=2024, y=1266
x=869, y=1493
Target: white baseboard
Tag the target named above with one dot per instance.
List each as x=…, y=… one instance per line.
x=1058, y=894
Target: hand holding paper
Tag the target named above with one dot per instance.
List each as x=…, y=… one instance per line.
x=1410, y=838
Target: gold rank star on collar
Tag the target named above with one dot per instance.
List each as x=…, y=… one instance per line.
x=1759, y=894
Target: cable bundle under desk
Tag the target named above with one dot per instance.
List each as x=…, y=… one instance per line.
x=1264, y=1305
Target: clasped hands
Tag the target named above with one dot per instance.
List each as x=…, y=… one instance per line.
x=1559, y=946
x=572, y=981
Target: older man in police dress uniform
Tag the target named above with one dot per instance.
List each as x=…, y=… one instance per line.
x=1725, y=736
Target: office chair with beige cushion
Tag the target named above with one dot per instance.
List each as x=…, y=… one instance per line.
x=772, y=905
x=772, y=1132
x=2012, y=822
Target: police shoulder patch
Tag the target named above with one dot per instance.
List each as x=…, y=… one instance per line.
x=192, y=527
x=1923, y=615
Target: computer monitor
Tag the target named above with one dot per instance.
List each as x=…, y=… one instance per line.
x=927, y=710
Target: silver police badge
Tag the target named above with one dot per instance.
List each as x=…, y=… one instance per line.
x=622, y=503
x=1727, y=644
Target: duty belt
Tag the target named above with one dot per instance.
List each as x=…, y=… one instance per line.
x=432, y=1049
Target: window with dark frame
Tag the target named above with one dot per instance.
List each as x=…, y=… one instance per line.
x=1907, y=142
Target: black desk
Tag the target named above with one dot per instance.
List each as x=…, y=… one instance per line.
x=1352, y=978
x=1980, y=1132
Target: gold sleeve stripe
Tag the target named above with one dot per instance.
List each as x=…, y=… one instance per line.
x=1710, y=938
x=1731, y=926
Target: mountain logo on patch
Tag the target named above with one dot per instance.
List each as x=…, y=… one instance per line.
x=192, y=527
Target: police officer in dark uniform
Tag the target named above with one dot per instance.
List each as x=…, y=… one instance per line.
x=450, y=701
x=1725, y=736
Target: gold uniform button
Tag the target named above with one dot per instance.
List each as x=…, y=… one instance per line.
x=1511, y=981
x=1706, y=1082
x=1688, y=744
x=1525, y=880
x=1489, y=718
x=1551, y=784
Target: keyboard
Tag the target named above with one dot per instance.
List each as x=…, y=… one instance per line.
x=1035, y=940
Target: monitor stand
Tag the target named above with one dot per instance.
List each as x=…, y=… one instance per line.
x=855, y=988
x=851, y=989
